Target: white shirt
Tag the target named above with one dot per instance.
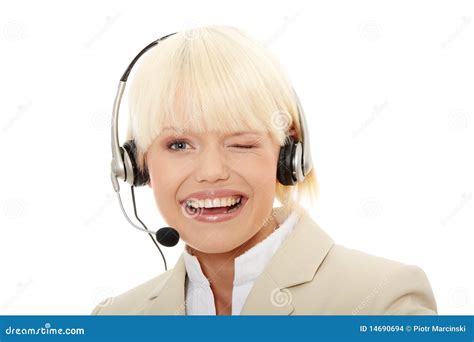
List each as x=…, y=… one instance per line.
x=247, y=267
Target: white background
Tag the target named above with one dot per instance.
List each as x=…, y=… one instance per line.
x=387, y=88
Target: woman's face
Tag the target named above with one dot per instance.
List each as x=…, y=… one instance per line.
x=183, y=164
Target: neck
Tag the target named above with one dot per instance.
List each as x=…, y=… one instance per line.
x=219, y=267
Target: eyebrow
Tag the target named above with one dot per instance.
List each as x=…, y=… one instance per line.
x=229, y=134
x=245, y=132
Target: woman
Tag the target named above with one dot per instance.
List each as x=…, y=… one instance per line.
x=210, y=111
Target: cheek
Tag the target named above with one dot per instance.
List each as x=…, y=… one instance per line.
x=262, y=175
x=164, y=176
x=164, y=173
x=165, y=181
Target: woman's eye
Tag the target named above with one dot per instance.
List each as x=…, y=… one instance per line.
x=179, y=143
x=244, y=146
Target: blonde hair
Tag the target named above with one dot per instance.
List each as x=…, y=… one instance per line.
x=214, y=78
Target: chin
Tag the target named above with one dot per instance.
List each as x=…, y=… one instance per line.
x=217, y=248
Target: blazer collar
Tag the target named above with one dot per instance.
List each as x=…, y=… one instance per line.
x=295, y=262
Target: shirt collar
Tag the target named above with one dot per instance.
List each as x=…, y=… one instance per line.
x=249, y=265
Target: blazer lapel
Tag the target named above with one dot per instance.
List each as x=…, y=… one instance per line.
x=168, y=299
x=295, y=262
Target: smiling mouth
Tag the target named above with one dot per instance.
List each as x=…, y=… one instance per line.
x=216, y=210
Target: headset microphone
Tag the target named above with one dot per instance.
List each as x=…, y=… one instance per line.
x=167, y=236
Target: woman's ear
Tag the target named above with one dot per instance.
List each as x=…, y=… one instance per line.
x=292, y=133
x=149, y=178
x=145, y=157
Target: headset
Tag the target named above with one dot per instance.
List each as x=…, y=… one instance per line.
x=294, y=162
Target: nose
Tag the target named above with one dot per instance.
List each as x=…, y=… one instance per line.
x=212, y=165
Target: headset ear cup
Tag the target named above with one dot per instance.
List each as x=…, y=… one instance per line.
x=285, y=163
x=139, y=178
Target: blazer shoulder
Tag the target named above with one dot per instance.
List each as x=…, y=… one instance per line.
x=352, y=260
x=129, y=301
x=376, y=285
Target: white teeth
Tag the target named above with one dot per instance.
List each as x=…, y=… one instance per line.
x=214, y=203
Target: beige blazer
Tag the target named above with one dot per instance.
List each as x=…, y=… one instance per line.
x=308, y=275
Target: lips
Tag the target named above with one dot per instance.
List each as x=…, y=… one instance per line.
x=217, y=214
x=212, y=194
